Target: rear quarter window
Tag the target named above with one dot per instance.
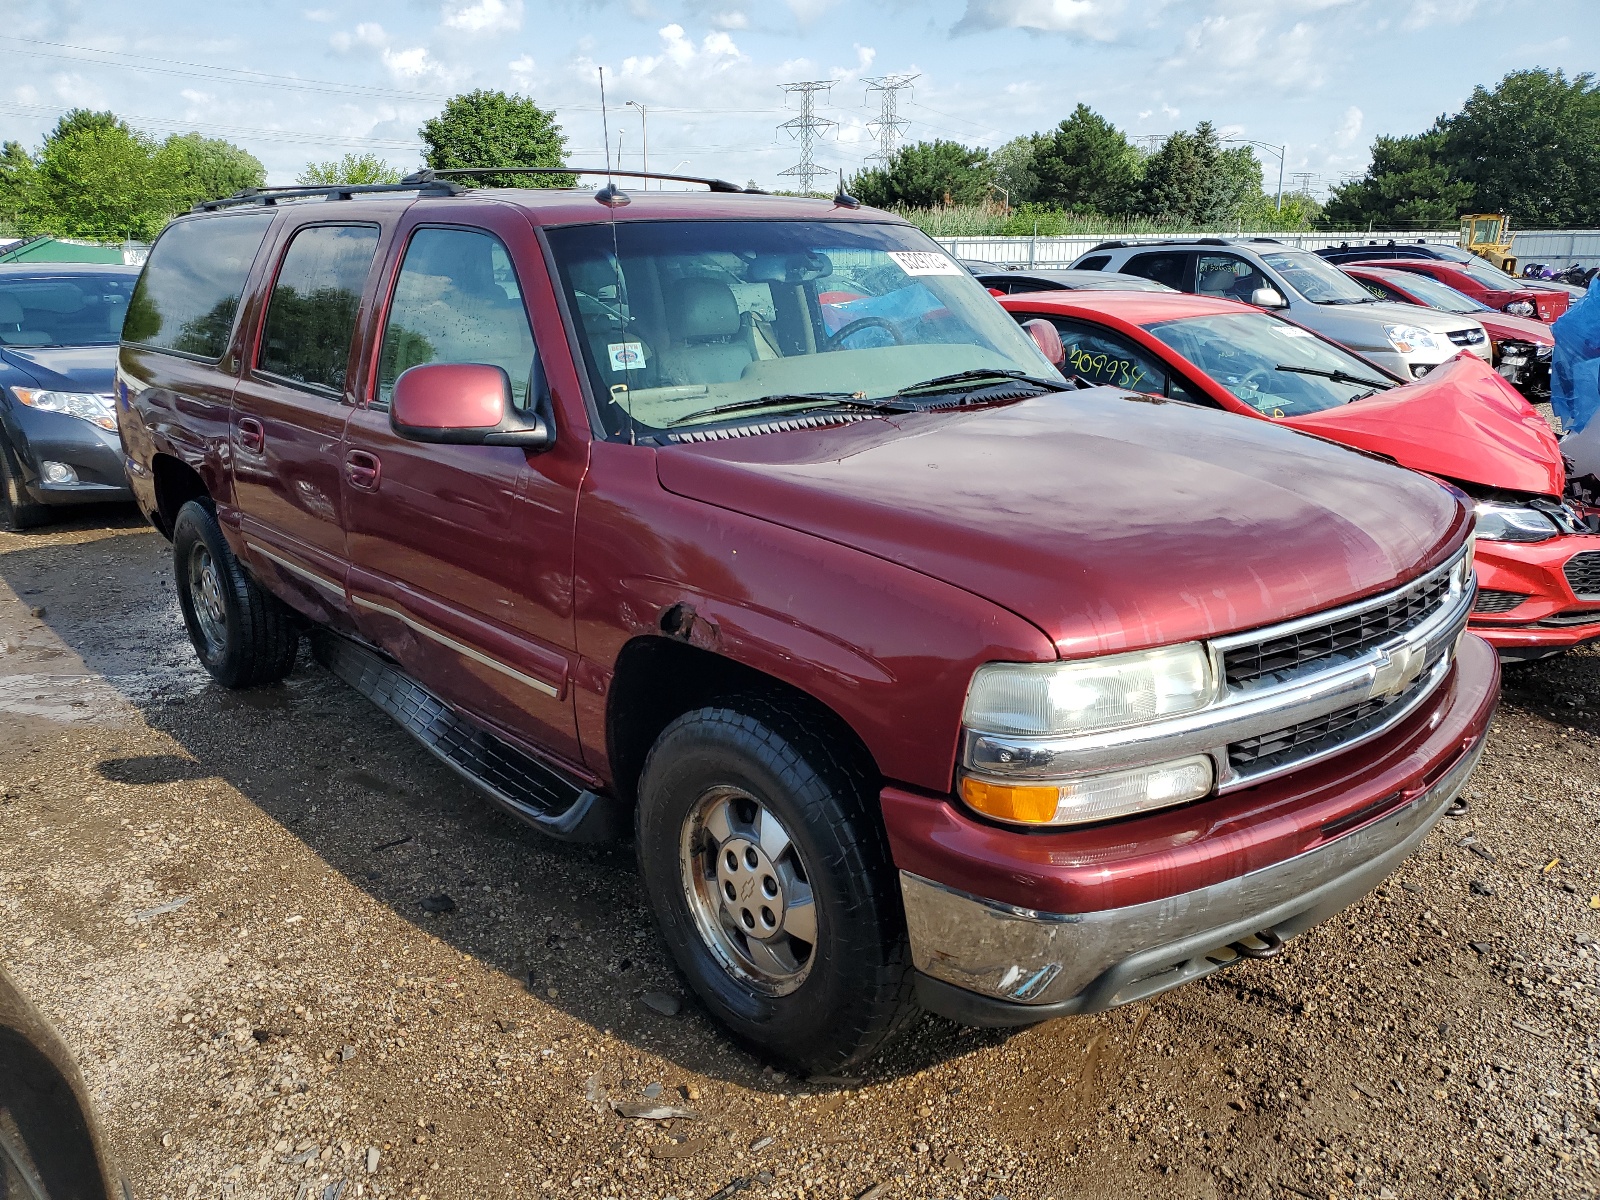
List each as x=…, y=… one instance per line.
x=188, y=294
x=1096, y=263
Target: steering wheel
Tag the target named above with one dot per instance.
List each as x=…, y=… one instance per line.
x=1266, y=376
x=833, y=339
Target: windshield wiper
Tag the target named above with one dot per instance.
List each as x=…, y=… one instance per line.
x=1340, y=377
x=946, y=382
x=812, y=399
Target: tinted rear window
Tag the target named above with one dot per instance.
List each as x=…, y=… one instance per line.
x=1096, y=263
x=1163, y=268
x=311, y=318
x=189, y=291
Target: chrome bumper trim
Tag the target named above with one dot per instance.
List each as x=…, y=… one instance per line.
x=1085, y=962
x=1422, y=653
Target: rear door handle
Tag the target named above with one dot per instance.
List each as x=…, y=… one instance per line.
x=362, y=470
x=252, y=436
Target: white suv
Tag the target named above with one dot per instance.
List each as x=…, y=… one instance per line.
x=1407, y=340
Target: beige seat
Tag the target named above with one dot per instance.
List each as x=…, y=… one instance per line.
x=710, y=343
x=11, y=331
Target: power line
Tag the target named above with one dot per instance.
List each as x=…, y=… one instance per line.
x=890, y=124
x=806, y=127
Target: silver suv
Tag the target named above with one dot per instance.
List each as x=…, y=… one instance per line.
x=1407, y=340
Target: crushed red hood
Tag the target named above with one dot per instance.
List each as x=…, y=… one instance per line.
x=1110, y=521
x=1461, y=421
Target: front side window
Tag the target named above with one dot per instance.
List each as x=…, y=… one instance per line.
x=457, y=300
x=1164, y=268
x=680, y=322
x=311, y=317
x=188, y=293
x=58, y=309
x=1228, y=277
x=1314, y=278
x=1278, y=369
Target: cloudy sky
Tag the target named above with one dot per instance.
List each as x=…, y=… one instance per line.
x=313, y=79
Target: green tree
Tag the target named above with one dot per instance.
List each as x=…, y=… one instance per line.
x=926, y=175
x=16, y=180
x=1193, y=180
x=1087, y=165
x=95, y=178
x=492, y=129
x=191, y=168
x=353, y=169
x=1410, y=184
x=1014, y=169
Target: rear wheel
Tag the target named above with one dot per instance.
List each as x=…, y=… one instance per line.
x=17, y=510
x=244, y=636
x=771, y=880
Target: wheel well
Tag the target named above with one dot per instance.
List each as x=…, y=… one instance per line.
x=177, y=483
x=658, y=679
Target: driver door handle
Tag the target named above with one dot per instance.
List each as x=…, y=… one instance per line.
x=252, y=436
x=362, y=470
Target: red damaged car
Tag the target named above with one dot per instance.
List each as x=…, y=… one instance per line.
x=1537, y=561
x=1486, y=284
x=1522, y=346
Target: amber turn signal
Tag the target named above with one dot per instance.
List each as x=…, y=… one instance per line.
x=1008, y=802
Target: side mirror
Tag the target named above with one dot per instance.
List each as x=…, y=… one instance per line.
x=1267, y=297
x=463, y=404
x=1048, y=338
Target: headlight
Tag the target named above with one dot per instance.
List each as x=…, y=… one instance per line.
x=1520, y=308
x=1089, y=695
x=1093, y=797
x=1408, y=339
x=1509, y=523
x=86, y=406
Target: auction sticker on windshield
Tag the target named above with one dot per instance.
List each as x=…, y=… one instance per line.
x=925, y=262
x=627, y=356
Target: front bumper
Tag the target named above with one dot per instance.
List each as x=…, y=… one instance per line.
x=1269, y=863
x=1551, y=617
x=94, y=454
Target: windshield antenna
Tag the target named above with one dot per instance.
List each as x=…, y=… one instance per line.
x=610, y=195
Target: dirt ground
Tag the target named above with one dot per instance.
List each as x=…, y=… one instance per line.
x=223, y=903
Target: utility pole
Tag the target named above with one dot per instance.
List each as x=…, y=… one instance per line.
x=805, y=128
x=644, y=128
x=890, y=124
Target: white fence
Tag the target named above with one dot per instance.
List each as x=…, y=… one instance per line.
x=1555, y=248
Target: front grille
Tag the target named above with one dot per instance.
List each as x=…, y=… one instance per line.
x=1467, y=337
x=1583, y=574
x=1350, y=634
x=1257, y=754
x=1566, y=620
x=1491, y=601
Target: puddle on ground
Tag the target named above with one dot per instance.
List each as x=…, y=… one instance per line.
x=68, y=698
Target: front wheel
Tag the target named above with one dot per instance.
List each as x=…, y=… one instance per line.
x=245, y=637
x=17, y=510
x=770, y=877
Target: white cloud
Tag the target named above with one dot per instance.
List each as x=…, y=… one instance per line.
x=1425, y=13
x=1349, y=131
x=733, y=19
x=680, y=57
x=410, y=64
x=1082, y=18
x=484, y=16
x=319, y=14
x=806, y=11
x=1249, y=42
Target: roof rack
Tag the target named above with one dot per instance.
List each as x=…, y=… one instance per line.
x=716, y=185
x=1274, y=241
x=333, y=191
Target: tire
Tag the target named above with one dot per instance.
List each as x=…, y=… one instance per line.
x=244, y=636
x=17, y=511
x=819, y=1006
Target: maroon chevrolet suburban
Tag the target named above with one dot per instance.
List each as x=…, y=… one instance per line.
x=753, y=528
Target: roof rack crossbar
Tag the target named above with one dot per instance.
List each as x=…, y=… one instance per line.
x=335, y=191
x=716, y=185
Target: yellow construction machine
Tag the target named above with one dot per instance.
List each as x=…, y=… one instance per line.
x=1488, y=235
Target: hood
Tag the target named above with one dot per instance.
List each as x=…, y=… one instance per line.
x=1430, y=319
x=1359, y=327
x=1462, y=421
x=1523, y=329
x=66, y=368
x=1108, y=520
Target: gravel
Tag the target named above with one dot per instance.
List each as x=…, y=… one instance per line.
x=219, y=900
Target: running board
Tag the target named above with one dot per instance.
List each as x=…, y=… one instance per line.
x=526, y=788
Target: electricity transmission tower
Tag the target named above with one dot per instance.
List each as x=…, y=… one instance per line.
x=890, y=124
x=806, y=128
x=1303, y=181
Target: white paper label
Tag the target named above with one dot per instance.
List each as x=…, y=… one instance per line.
x=1291, y=331
x=627, y=356
x=926, y=262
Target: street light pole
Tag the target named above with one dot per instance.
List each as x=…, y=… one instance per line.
x=1280, y=151
x=644, y=127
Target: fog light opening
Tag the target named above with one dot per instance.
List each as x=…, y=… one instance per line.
x=55, y=472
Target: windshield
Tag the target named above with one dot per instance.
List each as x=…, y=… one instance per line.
x=1315, y=279
x=1438, y=295
x=1278, y=369
x=693, y=316
x=79, y=309
x=1495, y=281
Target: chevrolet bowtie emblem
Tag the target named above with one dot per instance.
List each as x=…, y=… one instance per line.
x=1398, y=669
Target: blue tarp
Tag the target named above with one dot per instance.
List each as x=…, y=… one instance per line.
x=1575, y=367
